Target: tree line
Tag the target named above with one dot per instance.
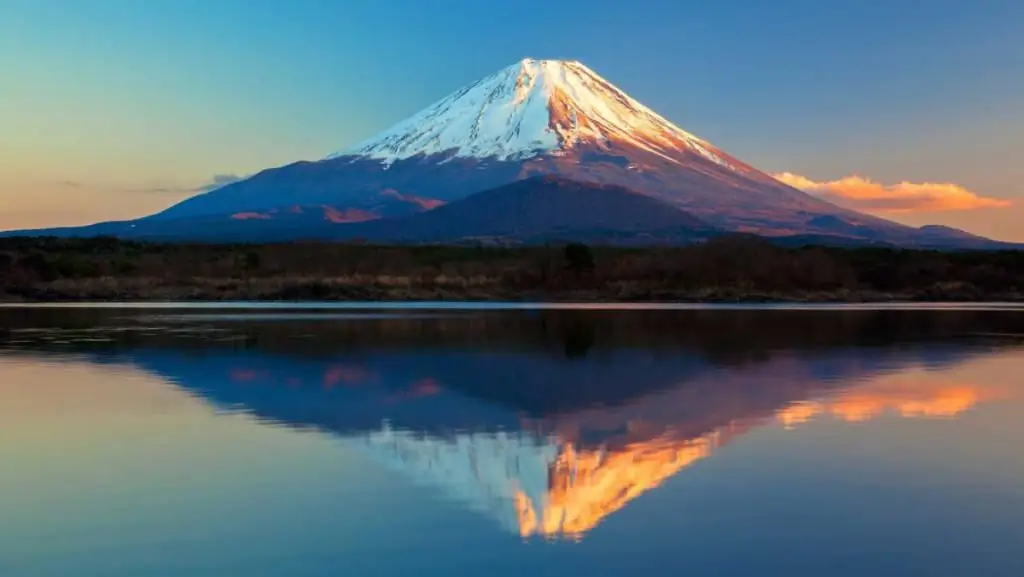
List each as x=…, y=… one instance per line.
x=723, y=269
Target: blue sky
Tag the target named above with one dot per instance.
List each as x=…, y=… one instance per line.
x=115, y=108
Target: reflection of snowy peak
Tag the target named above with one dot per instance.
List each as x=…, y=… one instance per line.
x=529, y=108
x=550, y=485
x=484, y=471
x=543, y=436
x=532, y=486
x=585, y=486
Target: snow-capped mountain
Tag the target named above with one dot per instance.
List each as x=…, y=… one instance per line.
x=534, y=118
x=533, y=486
x=531, y=108
x=531, y=122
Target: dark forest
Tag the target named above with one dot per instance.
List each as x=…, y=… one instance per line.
x=728, y=269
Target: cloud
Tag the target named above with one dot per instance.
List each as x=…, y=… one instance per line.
x=214, y=182
x=217, y=181
x=159, y=189
x=863, y=193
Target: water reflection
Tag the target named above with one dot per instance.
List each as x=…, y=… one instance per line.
x=546, y=423
x=906, y=398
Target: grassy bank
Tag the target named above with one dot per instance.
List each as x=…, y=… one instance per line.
x=726, y=270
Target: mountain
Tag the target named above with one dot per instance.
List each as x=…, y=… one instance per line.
x=532, y=119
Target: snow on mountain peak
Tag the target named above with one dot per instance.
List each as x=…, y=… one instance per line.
x=529, y=108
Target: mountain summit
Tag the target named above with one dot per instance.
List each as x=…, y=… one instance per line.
x=531, y=129
x=531, y=108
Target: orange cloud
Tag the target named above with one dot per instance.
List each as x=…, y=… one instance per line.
x=863, y=193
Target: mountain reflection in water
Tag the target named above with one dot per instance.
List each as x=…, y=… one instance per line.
x=549, y=422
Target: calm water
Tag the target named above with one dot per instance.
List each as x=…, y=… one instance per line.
x=440, y=442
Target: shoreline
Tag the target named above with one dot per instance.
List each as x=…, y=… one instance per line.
x=413, y=296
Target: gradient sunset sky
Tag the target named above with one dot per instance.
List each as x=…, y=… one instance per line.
x=113, y=109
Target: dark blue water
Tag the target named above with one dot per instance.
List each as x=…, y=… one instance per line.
x=209, y=442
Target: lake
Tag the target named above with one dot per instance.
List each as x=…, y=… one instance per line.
x=511, y=440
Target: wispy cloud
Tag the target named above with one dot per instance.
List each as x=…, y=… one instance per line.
x=158, y=189
x=216, y=181
x=863, y=193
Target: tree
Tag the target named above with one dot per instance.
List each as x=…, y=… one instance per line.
x=252, y=261
x=578, y=257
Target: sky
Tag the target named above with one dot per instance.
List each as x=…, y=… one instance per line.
x=114, y=109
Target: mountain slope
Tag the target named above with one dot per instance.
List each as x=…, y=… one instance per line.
x=543, y=208
x=537, y=209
